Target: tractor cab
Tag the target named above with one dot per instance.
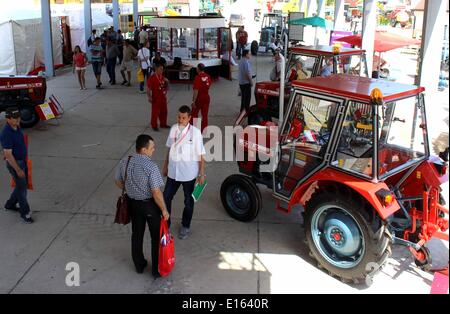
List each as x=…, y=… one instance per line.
x=272, y=27
x=325, y=60
x=353, y=153
x=303, y=63
x=345, y=127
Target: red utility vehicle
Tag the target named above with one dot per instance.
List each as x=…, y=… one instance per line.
x=354, y=153
x=24, y=92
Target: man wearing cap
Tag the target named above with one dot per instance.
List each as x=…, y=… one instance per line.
x=15, y=154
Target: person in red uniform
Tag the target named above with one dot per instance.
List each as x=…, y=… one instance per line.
x=157, y=86
x=200, y=99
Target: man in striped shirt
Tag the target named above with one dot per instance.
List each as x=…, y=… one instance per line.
x=143, y=186
x=97, y=60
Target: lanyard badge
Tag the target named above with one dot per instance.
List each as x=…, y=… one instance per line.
x=183, y=135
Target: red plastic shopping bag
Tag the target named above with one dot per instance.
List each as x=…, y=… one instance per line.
x=166, y=260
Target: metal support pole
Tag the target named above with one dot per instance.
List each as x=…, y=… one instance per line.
x=311, y=8
x=136, y=13
x=321, y=8
x=282, y=83
x=301, y=6
x=369, y=24
x=87, y=22
x=47, y=37
x=339, y=15
x=116, y=15
x=432, y=39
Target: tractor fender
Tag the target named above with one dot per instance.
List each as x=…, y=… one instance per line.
x=366, y=189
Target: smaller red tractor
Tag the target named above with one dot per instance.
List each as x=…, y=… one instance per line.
x=24, y=92
x=354, y=154
x=314, y=60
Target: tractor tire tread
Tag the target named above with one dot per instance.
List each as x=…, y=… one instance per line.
x=378, y=243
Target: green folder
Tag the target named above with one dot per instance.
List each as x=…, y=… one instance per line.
x=198, y=191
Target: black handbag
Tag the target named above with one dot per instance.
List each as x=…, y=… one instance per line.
x=123, y=203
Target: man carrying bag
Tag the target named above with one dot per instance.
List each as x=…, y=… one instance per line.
x=143, y=186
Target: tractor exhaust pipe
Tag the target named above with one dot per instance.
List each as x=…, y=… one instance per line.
x=282, y=83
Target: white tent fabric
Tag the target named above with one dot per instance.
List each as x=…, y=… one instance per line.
x=22, y=50
x=7, y=56
x=75, y=12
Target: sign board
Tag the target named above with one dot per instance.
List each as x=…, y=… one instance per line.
x=335, y=35
x=296, y=31
x=47, y=112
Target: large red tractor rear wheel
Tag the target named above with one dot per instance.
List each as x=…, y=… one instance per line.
x=241, y=197
x=346, y=237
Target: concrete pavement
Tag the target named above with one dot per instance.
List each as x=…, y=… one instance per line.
x=74, y=205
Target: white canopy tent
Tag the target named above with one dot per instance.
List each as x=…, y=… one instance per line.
x=75, y=12
x=22, y=49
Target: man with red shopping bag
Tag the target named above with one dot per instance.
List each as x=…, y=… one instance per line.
x=139, y=175
x=166, y=250
x=15, y=154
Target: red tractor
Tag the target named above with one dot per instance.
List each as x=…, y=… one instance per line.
x=24, y=92
x=314, y=60
x=353, y=152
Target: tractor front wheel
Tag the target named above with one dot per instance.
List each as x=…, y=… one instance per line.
x=28, y=117
x=241, y=197
x=425, y=261
x=346, y=237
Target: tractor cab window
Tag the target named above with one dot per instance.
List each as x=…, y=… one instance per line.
x=304, y=140
x=300, y=67
x=355, y=146
x=326, y=66
x=403, y=134
x=351, y=64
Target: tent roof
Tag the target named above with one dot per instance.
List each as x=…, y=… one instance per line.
x=384, y=41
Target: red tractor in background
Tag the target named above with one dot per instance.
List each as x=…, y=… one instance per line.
x=353, y=152
x=314, y=60
x=24, y=92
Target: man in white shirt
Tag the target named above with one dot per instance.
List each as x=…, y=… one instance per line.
x=145, y=64
x=184, y=165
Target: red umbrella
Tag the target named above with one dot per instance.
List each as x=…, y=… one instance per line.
x=383, y=41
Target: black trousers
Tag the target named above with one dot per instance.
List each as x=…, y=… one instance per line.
x=246, y=96
x=142, y=213
x=111, y=69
